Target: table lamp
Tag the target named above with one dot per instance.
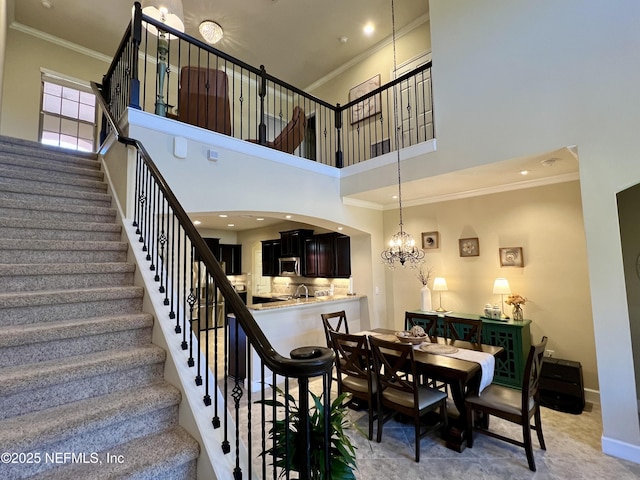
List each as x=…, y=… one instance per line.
x=170, y=13
x=501, y=287
x=440, y=285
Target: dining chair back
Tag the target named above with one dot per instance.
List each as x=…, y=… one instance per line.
x=427, y=321
x=354, y=370
x=466, y=329
x=336, y=322
x=398, y=390
x=516, y=406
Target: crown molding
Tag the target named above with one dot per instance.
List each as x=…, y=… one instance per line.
x=60, y=42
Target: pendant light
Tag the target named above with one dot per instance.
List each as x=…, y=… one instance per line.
x=402, y=247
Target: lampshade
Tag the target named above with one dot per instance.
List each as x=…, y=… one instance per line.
x=168, y=12
x=501, y=287
x=211, y=31
x=439, y=285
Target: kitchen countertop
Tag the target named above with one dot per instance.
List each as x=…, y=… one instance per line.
x=300, y=302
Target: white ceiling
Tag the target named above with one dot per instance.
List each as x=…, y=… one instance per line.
x=262, y=32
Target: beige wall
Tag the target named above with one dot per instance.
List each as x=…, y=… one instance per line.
x=25, y=56
x=517, y=78
x=547, y=223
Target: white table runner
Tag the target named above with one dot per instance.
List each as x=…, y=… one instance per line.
x=486, y=360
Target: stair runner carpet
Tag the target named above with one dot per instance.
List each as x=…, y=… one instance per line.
x=82, y=393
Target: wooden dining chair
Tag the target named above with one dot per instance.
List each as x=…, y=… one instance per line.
x=466, y=329
x=336, y=322
x=517, y=406
x=425, y=320
x=402, y=393
x=354, y=370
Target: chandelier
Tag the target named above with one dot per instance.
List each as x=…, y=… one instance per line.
x=402, y=247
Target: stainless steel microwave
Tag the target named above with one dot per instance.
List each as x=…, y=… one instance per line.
x=289, y=266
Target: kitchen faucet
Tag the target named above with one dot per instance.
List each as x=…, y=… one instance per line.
x=306, y=291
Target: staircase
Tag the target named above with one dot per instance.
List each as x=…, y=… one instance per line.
x=82, y=394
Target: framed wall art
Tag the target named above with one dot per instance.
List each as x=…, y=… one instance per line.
x=430, y=240
x=511, y=257
x=469, y=247
x=369, y=106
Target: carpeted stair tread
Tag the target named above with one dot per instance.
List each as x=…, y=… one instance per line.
x=41, y=194
x=55, y=208
x=64, y=268
x=53, y=297
x=153, y=457
x=15, y=335
x=27, y=179
x=36, y=430
x=72, y=245
x=21, y=146
x=43, y=374
x=38, y=166
x=55, y=229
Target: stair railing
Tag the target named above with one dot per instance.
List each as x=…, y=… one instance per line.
x=194, y=288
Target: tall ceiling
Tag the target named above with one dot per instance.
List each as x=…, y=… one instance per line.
x=297, y=41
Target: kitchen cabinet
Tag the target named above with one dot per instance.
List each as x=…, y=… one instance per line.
x=327, y=255
x=214, y=246
x=270, y=256
x=231, y=255
x=292, y=242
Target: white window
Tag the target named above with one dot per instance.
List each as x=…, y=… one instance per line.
x=68, y=114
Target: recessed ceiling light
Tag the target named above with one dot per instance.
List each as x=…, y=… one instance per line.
x=46, y=4
x=231, y=224
x=260, y=219
x=343, y=39
x=395, y=197
x=287, y=216
x=524, y=172
x=368, y=29
x=340, y=228
x=223, y=215
x=549, y=162
x=197, y=222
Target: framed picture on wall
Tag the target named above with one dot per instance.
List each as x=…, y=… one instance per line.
x=369, y=106
x=430, y=240
x=469, y=247
x=511, y=257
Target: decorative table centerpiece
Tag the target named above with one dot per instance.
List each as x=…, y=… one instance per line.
x=516, y=301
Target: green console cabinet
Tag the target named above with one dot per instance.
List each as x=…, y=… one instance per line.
x=513, y=336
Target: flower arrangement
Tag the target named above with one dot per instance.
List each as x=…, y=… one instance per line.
x=424, y=276
x=515, y=299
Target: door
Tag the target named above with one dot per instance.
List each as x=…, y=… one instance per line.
x=414, y=103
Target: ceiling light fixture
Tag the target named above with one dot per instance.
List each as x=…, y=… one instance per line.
x=197, y=222
x=402, y=247
x=211, y=31
x=524, y=172
x=368, y=29
x=223, y=215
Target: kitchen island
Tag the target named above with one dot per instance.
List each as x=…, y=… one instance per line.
x=294, y=323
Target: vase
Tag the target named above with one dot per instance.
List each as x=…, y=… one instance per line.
x=517, y=312
x=425, y=297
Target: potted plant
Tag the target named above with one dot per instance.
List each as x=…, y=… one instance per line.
x=287, y=448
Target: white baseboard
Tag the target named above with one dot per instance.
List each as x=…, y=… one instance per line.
x=592, y=396
x=618, y=449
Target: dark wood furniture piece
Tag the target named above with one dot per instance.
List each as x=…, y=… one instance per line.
x=513, y=336
x=203, y=99
x=292, y=242
x=512, y=405
x=562, y=386
x=467, y=329
x=334, y=322
x=402, y=393
x=462, y=376
x=353, y=365
x=327, y=255
x=427, y=321
x=270, y=256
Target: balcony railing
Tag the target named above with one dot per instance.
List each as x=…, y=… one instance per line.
x=180, y=77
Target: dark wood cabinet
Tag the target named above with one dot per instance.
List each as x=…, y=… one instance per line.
x=231, y=255
x=327, y=255
x=292, y=242
x=270, y=256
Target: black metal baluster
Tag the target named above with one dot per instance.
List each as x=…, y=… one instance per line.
x=162, y=240
x=198, y=335
x=153, y=247
x=191, y=299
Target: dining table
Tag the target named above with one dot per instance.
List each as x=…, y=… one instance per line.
x=463, y=376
